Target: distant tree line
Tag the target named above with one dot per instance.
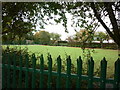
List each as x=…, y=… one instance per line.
x=46, y=38
x=42, y=37
x=86, y=36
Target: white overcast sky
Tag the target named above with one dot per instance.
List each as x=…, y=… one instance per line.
x=61, y=30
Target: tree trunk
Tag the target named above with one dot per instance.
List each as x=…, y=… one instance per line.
x=115, y=35
x=117, y=41
x=101, y=44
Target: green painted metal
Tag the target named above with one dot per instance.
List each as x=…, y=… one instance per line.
x=20, y=72
x=103, y=74
x=68, y=74
x=49, y=71
x=8, y=72
x=3, y=70
x=117, y=75
x=54, y=73
x=90, y=77
x=90, y=72
x=79, y=72
x=41, y=71
x=58, y=84
x=27, y=70
x=34, y=70
x=14, y=71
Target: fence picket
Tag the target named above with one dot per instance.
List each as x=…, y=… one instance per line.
x=20, y=72
x=3, y=70
x=14, y=71
x=49, y=72
x=90, y=72
x=26, y=73
x=58, y=72
x=8, y=76
x=34, y=70
x=68, y=74
x=41, y=71
x=117, y=75
x=103, y=73
x=79, y=72
x=10, y=69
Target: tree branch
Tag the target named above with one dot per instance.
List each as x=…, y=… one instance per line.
x=101, y=21
x=113, y=20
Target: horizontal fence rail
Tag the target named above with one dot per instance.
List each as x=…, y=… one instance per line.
x=12, y=73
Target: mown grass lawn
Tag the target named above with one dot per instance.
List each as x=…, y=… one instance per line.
x=110, y=55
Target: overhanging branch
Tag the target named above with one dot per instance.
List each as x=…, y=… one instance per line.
x=112, y=17
x=101, y=21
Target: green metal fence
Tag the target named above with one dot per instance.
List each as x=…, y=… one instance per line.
x=12, y=73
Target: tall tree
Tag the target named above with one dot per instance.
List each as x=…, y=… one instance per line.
x=84, y=36
x=29, y=36
x=108, y=9
x=101, y=36
x=55, y=36
x=70, y=39
x=42, y=37
x=16, y=20
x=108, y=37
x=20, y=18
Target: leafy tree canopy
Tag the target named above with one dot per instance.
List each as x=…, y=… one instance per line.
x=55, y=36
x=42, y=37
x=101, y=36
x=86, y=15
x=84, y=36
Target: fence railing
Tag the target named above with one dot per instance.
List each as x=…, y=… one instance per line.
x=13, y=77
